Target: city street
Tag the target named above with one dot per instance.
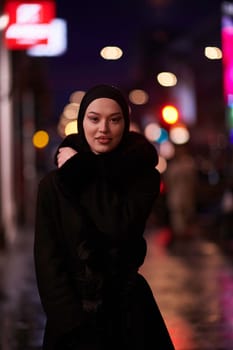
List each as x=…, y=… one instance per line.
x=159, y=68
x=192, y=281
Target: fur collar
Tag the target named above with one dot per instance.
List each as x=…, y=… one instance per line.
x=136, y=156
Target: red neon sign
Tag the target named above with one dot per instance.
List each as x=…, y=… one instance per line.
x=28, y=23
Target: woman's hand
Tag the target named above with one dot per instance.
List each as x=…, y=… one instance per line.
x=64, y=154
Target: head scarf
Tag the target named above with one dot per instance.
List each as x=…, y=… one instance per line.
x=102, y=91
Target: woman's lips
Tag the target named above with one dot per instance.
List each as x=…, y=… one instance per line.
x=104, y=140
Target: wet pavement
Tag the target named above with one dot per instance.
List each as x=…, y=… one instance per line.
x=193, y=284
x=192, y=281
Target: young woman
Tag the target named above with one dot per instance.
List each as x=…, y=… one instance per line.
x=89, y=244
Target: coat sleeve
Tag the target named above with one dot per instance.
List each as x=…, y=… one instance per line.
x=58, y=298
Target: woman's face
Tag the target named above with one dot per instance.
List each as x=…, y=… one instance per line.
x=103, y=125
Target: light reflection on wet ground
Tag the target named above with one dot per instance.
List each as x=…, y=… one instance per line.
x=192, y=282
x=193, y=285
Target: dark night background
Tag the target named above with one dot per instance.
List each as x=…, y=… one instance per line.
x=153, y=35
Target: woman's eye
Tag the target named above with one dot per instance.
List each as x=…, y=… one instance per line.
x=116, y=120
x=93, y=119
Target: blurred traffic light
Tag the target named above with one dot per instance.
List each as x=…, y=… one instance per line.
x=170, y=114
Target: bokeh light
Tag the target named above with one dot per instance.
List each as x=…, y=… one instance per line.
x=138, y=97
x=111, y=53
x=167, y=79
x=71, y=111
x=170, y=114
x=71, y=128
x=152, y=132
x=77, y=96
x=40, y=139
x=167, y=149
x=179, y=135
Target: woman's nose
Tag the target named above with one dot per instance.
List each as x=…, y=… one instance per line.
x=103, y=126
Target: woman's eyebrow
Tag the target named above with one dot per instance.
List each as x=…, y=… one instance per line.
x=110, y=115
x=92, y=112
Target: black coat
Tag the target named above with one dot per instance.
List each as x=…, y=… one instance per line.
x=90, y=220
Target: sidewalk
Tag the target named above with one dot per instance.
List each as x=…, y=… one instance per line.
x=21, y=316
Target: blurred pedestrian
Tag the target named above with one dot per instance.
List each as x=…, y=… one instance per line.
x=181, y=181
x=89, y=244
x=226, y=215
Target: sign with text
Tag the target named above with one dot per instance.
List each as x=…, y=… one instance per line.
x=28, y=24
